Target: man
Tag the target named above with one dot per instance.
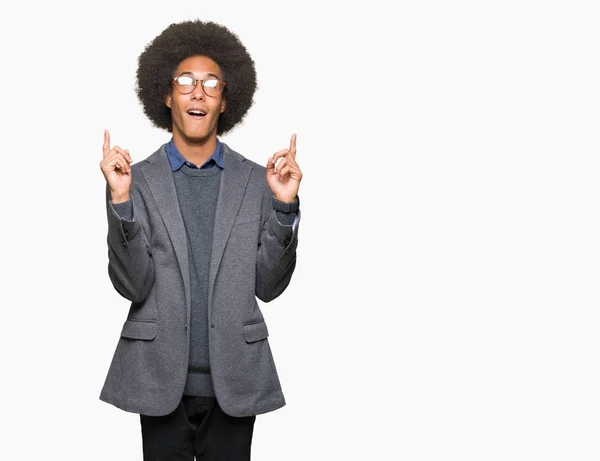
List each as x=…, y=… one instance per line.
x=196, y=233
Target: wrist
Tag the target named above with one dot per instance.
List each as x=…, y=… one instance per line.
x=119, y=198
x=286, y=198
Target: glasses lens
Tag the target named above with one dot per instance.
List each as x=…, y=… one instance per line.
x=212, y=86
x=185, y=83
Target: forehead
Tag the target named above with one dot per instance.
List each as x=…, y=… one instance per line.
x=198, y=65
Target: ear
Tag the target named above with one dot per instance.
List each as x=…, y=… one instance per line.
x=168, y=101
x=223, y=105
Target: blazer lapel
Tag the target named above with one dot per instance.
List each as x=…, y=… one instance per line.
x=159, y=177
x=234, y=179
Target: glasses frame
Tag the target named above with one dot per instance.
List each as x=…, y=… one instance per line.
x=196, y=80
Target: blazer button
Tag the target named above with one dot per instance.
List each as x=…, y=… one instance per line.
x=212, y=325
x=286, y=242
x=127, y=235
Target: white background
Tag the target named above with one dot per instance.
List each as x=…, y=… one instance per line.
x=445, y=302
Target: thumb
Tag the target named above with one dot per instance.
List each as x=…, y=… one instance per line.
x=270, y=166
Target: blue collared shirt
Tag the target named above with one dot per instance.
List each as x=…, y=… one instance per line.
x=177, y=160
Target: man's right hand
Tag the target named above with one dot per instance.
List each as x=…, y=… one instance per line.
x=116, y=168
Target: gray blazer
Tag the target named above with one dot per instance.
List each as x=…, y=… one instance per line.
x=253, y=255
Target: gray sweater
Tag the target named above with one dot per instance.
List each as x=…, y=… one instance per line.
x=198, y=191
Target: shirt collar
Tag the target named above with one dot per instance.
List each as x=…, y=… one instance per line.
x=177, y=160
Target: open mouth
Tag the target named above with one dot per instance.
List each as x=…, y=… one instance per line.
x=196, y=113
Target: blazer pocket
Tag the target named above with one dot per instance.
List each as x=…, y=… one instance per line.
x=245, y=219
x=255, y=332
x=139, y=329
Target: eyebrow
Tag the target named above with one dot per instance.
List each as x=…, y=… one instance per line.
x=208, y=74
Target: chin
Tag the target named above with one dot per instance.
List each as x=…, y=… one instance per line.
x=197, y=137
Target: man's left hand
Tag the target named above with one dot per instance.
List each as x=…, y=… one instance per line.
x=283, y=173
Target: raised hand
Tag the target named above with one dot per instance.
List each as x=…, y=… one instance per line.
x=284, y=174
x=116, y=168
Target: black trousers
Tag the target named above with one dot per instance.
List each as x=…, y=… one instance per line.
x=198, y=427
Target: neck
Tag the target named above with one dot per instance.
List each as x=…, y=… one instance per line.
x=196, y=152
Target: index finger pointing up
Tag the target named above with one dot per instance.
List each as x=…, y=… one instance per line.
x=293, y=145
x=106, y=145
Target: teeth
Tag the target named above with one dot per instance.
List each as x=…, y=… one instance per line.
x=195, y=112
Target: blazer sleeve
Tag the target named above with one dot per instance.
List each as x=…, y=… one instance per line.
x=130, y=265
x=276, y=258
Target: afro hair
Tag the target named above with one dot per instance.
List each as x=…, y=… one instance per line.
x=179, y=41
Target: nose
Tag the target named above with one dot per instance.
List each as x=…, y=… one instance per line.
x=198, y=93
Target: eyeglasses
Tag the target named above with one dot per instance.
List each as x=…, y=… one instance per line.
x=185, y=84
